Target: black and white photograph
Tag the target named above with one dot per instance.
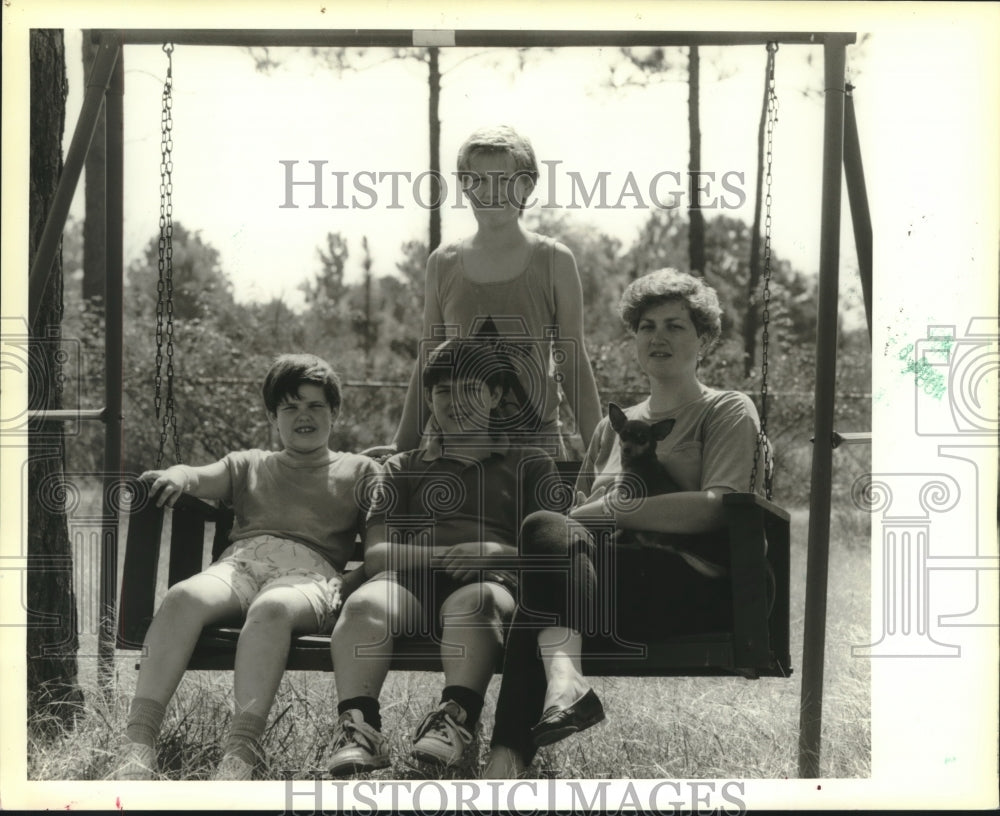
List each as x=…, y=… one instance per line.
x=500, y=407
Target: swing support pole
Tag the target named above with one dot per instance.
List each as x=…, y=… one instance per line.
x=817, y=565
x=97, y=84
x=114, y=363
x=861, y=219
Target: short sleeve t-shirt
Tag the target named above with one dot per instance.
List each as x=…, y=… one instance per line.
x=461, y=499
x=711, y=445
x=319, y=501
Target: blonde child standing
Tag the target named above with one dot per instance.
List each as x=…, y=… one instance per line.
x=297, y=513
x=523, y=286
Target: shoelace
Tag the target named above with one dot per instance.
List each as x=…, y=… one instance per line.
x=437, y=722
x=350, y=732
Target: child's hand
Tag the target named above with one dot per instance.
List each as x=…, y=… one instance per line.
x=350, y=581
x=168, y=485
x=380, y=452
x=335, y=593
x=456, y=560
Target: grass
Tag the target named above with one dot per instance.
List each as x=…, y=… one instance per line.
x=656, y=727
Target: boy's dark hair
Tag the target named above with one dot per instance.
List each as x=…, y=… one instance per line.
x=469, y=358
x=289, y=372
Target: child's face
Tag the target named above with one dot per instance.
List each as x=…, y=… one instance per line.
x=494, y=187
x=463, y=405
x=304, y=421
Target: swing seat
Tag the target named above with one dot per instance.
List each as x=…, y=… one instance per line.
x=756, y=646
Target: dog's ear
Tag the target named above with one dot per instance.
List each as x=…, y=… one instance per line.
x=617, y=416
x=662, y=428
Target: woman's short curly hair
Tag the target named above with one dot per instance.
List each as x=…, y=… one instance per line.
x=665, y=285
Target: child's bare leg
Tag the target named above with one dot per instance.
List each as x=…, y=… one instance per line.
x=474, y=618
x=187, y=607
x=278, y=612
x=361, y=647
x=362, y=642
x=274, y=616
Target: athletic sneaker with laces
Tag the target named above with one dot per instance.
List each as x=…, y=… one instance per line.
x=442, y=737
x=357, y=746
x=136, y=761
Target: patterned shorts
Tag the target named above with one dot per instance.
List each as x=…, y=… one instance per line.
x=250, y=565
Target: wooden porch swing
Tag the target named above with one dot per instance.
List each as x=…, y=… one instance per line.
x=757, y=644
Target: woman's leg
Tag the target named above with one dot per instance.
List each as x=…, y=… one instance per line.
x=553, y=607
x=519, y=705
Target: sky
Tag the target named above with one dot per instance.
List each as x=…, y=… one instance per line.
x=234, y=126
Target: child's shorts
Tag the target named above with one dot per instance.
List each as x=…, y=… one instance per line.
x=432, y=588
x=251, y=564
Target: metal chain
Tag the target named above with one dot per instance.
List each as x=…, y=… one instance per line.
x=762, y=443
x=165, y=269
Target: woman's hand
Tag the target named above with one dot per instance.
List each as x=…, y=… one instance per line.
x=168, y=485
x=596, y=508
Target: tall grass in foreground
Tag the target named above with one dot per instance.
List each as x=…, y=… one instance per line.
x=656, y=727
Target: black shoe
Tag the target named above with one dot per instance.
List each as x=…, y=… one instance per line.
x=558, y=723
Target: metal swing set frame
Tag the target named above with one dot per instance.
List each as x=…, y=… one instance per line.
x=841, y=149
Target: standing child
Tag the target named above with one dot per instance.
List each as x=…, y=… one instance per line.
x=517, y=284
x=297, y=514
x=462, y=496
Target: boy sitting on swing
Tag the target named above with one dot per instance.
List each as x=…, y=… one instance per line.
x=462, y=496
x=297, y=513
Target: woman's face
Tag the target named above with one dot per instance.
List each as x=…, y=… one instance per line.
x=666, y=342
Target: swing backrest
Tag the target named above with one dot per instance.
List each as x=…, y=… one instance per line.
x=757, y=645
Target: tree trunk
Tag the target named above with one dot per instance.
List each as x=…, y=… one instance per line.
x=696, y=234
x=94, y=241
x=750, y=322
x=54, y=697
x=434, y=81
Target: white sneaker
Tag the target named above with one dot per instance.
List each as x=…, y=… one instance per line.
x=233, y=769
x=136, y=761
x=357, y=746
x=442, y=738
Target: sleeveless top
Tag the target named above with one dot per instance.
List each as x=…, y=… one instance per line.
x=523, y=311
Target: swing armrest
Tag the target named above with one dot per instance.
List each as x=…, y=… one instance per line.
x=752, y=499
x=142, y=554
x=759, y=571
